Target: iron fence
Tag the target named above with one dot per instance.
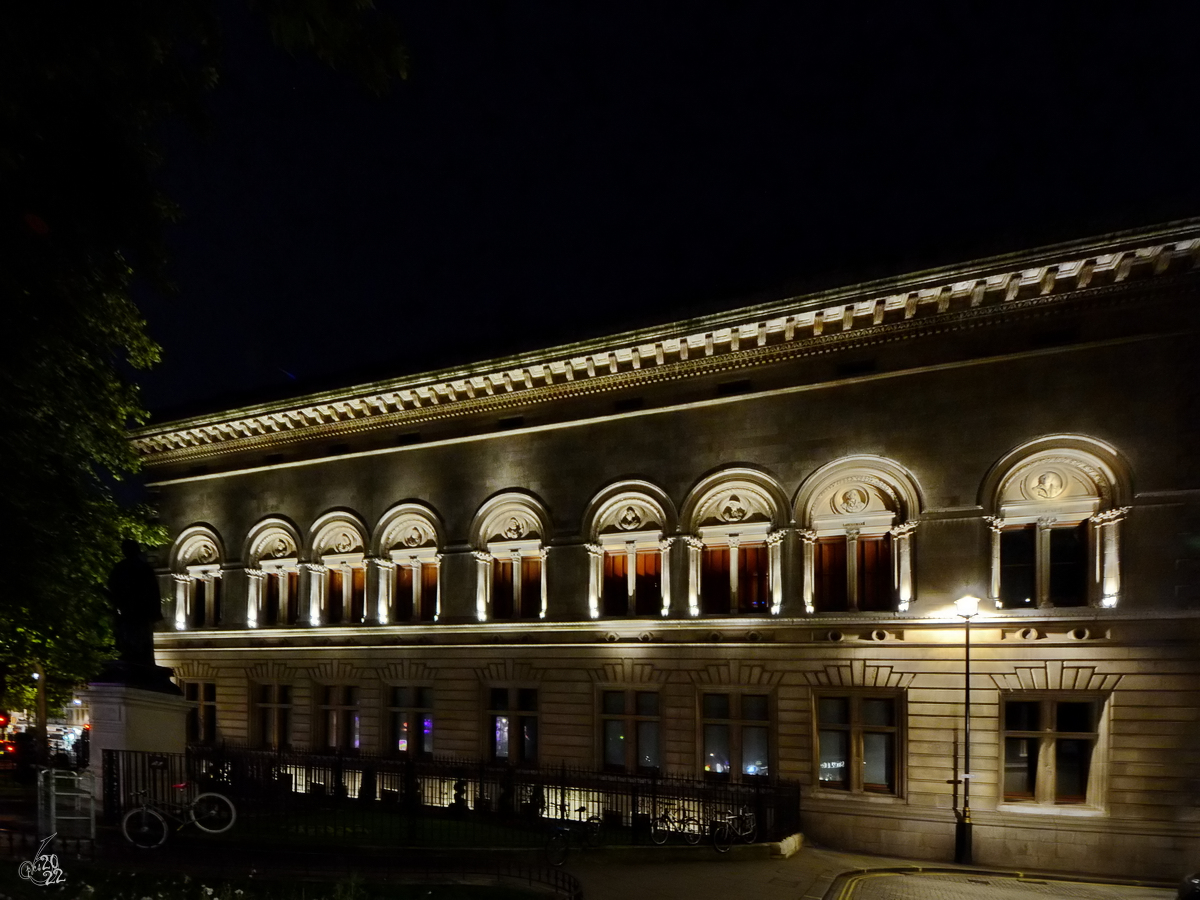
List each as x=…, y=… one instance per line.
x=435, y=802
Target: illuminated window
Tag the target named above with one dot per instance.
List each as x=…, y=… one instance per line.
x=1056, y=528
x=735, y=735
x=338, y=719
x=512, y=720
x=858, y=517
x=197, y=570
x=273, y=716
x=511, y=556
x=280, y=596
x=202, y=712
x=629, y=731
x=1050, y=749
x=274, y=577
x=410, y=721
x=735, y=573
x=337, y=592
x=409, y=582
x=858, y=739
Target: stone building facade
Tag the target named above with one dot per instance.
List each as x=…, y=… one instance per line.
x=731, y=547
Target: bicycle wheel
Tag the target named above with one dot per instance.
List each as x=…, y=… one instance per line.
x=722, y=835
x=593, y=837
x=557, y=848
x=214, y=813
x=145, y=827
x=748, y=828
x=692, y=830
x=660, y=829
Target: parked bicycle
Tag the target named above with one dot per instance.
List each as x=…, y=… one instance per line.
x=738, y=826
x=572, y=833
x=688, y=827
x=146, y=825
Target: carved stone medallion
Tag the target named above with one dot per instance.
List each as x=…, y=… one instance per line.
x=852, y=500
x=629, y=519
x=514, y=529
x=733, y=510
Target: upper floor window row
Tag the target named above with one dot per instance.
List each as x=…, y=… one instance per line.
x=1055, y=510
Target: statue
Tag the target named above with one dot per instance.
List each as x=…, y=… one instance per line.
x=133, y=592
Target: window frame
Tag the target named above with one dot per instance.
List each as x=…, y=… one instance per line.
x=416, y=712
x=338, y=720
x=512, y=710
x=202, y=711
x=1045, y=786
x=731, y=537
x=855, y=728
x=630, y=719
x=631, y=545
x=280, y=711
x=736, y=723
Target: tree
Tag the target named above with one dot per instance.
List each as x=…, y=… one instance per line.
x=84, y=91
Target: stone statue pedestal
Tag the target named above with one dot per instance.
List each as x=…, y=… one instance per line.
x=133, y=715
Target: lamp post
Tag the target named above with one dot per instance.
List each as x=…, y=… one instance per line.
x=968, y=608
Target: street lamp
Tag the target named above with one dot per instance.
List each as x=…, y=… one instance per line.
x=968, y=608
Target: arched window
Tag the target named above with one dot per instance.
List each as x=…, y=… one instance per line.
x=1056, y=507
x=273, y=567
x=857, y=517
x=410, y=565
x=629, y=573
x=508, y=537
x=338, y=584
x=734, y=563
x=196, y=568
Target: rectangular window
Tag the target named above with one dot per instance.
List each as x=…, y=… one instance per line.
x=857, y=737
x=1068, y=565
x=714, y=581
x=1018, y=567
x=736, y=735
x=647, y=585
x=273, y=715
x=410, y=718
x=829, y=588
x=402, y=596
x=502, y=589
x=358, y=595
x=429, y=592
x=616, y=583
x=333, y=597
x=753, y=571
x=512, y=719
x=202, y=714
x=200, y=588
x=876, y=592
x=531, y=587
x=270, y=607
x=630, y=731
x=339, y=719
x=1049, y=745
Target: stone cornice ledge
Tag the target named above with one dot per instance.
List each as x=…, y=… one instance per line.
x=729, y=341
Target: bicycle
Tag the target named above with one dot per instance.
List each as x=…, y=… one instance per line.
x=145, y=826
x=738, y=826
x=581, y=833
x=662, y=826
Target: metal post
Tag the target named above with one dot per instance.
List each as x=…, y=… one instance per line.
x=967, y=607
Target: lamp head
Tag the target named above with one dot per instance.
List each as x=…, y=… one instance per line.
x=967, y=607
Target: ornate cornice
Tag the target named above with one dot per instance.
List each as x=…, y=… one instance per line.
x=945, y=299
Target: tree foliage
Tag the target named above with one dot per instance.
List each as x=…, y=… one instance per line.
x=84, y=91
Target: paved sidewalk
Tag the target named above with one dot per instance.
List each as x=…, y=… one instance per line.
x=813, y=874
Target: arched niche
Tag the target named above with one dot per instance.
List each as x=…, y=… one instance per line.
x=856, y=517
x=337, y=567
x=196, y=565
x=408, y=539
x=627, y=526
x=1055, y=506
x=508, y=538
x=273, y=569
x=734, y=520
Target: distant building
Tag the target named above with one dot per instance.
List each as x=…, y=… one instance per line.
x=731, y=547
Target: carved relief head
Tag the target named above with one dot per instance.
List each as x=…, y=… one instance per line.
x=1047, y=486
x=414, y=537
x=733, y=510
x=629, y=519
x=852, y=500
x=279, y=548
x=514, y=529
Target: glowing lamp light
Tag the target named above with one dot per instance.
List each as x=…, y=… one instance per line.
x=967, y=607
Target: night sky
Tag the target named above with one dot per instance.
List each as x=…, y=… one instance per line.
x=554, y=171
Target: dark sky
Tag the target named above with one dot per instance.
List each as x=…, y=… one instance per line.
x=553, y=171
